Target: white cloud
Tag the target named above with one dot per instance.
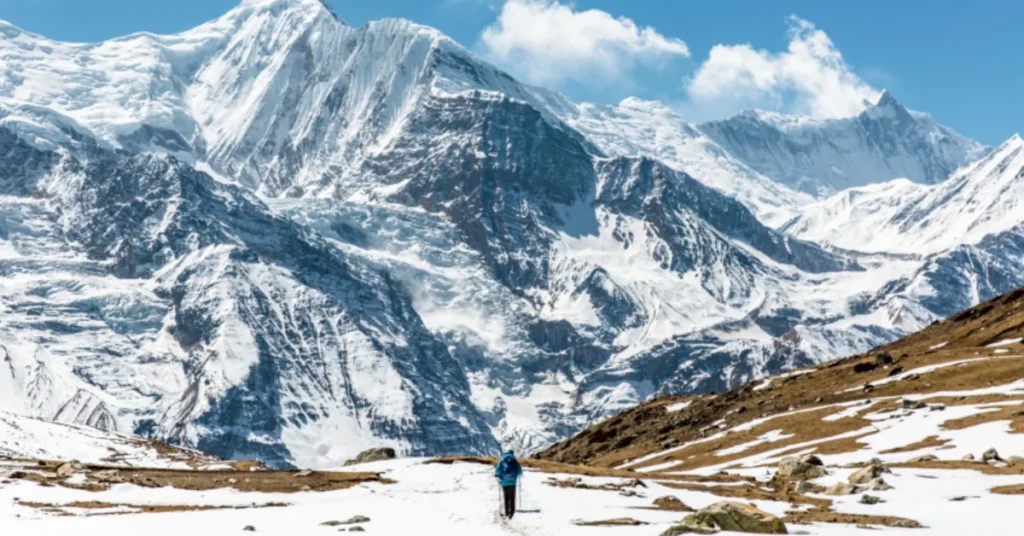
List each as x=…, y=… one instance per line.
x=547, y=42
x=811, y=78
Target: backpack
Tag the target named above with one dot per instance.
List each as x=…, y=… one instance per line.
x=508, y=469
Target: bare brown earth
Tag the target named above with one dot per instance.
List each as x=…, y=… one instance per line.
x=100, y=477
x=822, y=516
x=650, y=428
x=63, y=509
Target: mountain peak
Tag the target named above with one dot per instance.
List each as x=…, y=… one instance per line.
x=886, y=99
x=276, y=6
x=886, y=107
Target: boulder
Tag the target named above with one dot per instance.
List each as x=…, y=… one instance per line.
x=373, y=455
x=249, y=528
x=812, y=460
x=895, y=370
x=870, y=499
x=799, y=469
x=841, y=488
x=883, y=359
x=867, y=474
x=805, y=487
x=875, y=484
x=107, y=477
x=968, y=458
x=991, y=455
x=356, y=528
x=70, y=468
x=729, y=516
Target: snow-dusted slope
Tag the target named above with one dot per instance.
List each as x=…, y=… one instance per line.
x=886, y=141
x=33, y=439
x=981, y=199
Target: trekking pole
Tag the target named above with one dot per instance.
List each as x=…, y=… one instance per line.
x=522, y=505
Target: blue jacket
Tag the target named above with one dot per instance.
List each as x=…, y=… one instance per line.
x=516, y=470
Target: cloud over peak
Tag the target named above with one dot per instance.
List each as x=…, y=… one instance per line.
x=810, y=77
x=547, y=42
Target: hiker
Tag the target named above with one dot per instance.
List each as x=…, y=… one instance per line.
x=508, y=471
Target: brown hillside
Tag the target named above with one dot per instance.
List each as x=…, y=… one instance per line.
x=963, y=339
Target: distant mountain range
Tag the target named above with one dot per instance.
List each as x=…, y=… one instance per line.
x=278, y=236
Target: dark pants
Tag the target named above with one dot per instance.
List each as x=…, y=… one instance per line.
x=509, y=494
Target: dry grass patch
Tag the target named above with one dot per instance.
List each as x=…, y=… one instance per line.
x=825, y=516
x=63, y=509
x=928, y=442
x=99, y=478
x=649, y=428
x=1010, y=468
x=1016, y=489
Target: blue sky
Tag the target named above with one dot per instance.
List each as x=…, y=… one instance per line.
x=956, y=60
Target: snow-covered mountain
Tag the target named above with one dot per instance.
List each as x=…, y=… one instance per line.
x=983, y=198
x=885, y=141
x=279, y=236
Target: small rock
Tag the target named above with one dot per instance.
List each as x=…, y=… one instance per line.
x=884, y=358
x=968, y=458
x=356, y=528
x=354, y=520
x=895, y=370
x=232, y=481
x=863, y=367
x=870, y=499
x=634, y=483
x=373, y=455
x=305, y=488
x=913, y=404
x=958, y=499
x=991, y=455
x=924, y=458
x=249, y=528
x=938, y=407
